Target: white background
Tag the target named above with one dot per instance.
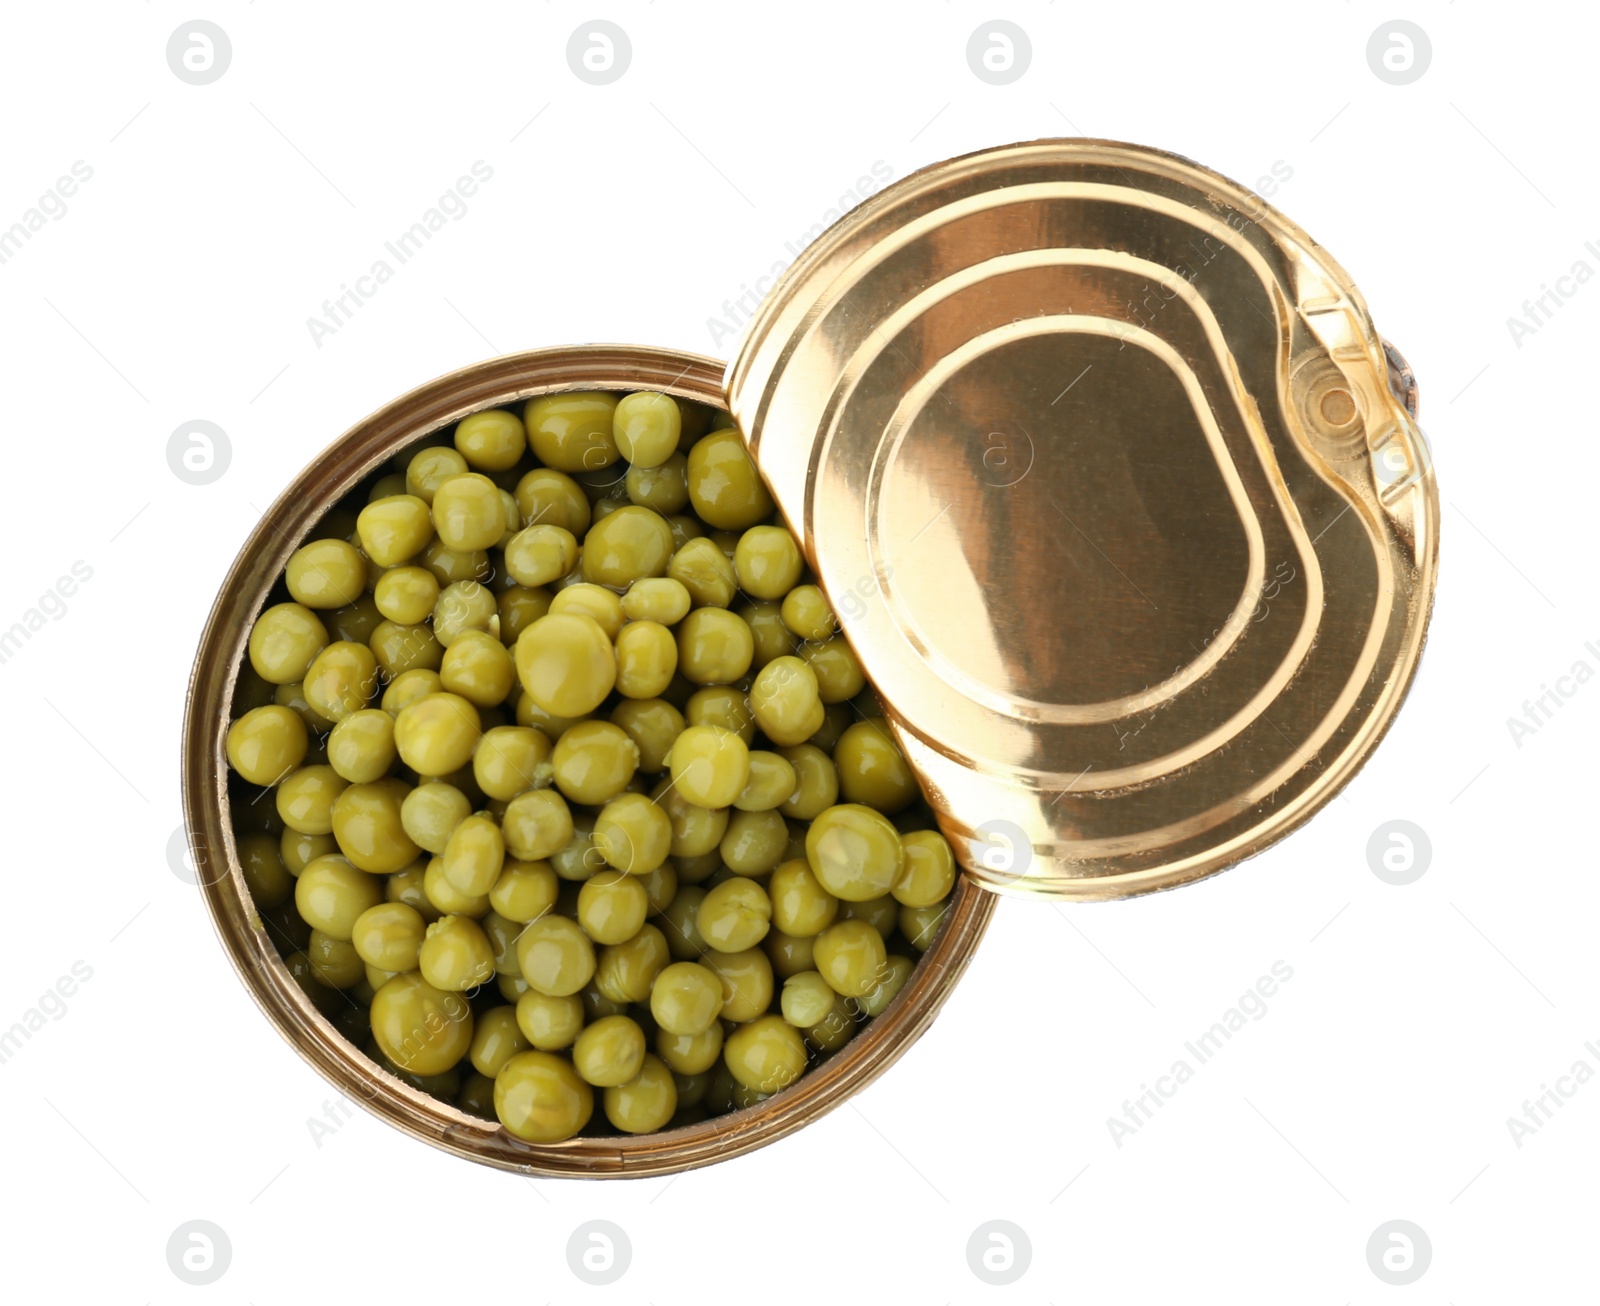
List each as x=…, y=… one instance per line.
x=178, y=285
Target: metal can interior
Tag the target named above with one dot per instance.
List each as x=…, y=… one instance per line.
x=207, y=817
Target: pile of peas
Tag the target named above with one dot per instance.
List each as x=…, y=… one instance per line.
x=553, y=773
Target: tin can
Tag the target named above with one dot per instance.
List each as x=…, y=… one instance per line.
x=1120, y=500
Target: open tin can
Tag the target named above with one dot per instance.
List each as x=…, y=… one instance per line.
x=1121, y=503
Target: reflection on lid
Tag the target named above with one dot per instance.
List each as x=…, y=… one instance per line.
x=1104, y=430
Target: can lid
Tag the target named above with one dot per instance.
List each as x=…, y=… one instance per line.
x=1097, y=456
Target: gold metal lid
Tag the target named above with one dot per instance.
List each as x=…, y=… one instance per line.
x=1100, y=461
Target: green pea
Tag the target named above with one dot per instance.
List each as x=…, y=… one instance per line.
x=610, y=1051
x=421, y=1029
x=455, y=954
x=646, y=427
x=540, y=1098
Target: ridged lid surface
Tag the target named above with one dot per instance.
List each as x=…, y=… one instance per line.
x=1098, y=458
